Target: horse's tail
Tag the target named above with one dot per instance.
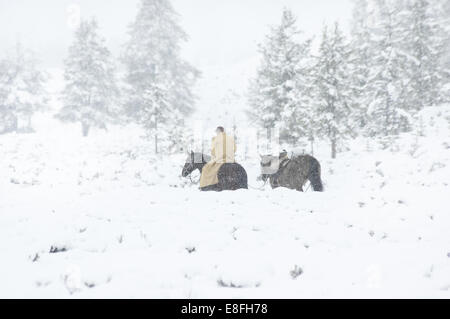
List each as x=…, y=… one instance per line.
x=315, y=175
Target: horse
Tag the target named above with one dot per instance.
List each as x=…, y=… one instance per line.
x=232, y=176
x=291, y=173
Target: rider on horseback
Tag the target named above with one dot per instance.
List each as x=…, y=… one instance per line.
x=223, y=151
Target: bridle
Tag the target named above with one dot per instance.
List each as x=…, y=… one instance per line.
x=192, y=168
x=259, y=188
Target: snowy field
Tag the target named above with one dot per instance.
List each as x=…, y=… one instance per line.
x=103, y=218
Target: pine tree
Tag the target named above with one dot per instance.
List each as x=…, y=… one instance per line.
x=441, y=8
x=424, y=42
x=333, y=89
x=278, y=94
x=361, y=58
x=90, y=91
x=22, y=90
x=445, y=63
x=8, y=118
x=389, y=75
x=159, y=82
x=297, y=118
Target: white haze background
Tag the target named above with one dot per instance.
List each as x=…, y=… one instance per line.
x=223, y=38
x=221, y=33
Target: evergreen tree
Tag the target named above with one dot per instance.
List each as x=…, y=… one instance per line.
x=8, y=118
x=441, y=13
x=159, y=83
x=361, y=58
x=389, y=75
x=90, y=91
x=22, y=90
x=297, y=118
x=441, y=9
x=425, y=43
x=445, y=63
x=333, y=89
x=278, y=95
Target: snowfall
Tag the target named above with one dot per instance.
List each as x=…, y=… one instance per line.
x=103, y=217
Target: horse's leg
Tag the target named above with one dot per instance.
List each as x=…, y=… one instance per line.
x=244, y=181
x=300, y=183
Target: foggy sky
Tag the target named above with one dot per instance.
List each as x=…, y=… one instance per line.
x=222, y=32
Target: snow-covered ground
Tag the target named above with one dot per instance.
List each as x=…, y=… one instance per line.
x=103, y=217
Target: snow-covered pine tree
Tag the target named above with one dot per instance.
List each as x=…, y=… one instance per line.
x=441, y=12
x=361, y=58
x=8, y=119
x=333, y=95
x=424, y=42
x=22, y=90
x=277, y=96
x=445, y=21
x=441, y=9
x=90, y=91
x=297, y=117
x=159, y=92
x=389, y=74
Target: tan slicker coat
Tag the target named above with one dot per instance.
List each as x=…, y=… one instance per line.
x=223, y=149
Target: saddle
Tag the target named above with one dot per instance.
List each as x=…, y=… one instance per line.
x=284, y=161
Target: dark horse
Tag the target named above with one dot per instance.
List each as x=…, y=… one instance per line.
x=232, y=176
x=291, y=173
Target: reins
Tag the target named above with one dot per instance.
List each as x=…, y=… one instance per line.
x=309, y=186
x=192, y=182
x=260, y=188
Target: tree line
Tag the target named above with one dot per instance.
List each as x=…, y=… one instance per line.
x=395, y=62
x=372, y=83
x=155, y=90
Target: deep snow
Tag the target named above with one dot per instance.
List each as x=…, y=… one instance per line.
x=103, y=217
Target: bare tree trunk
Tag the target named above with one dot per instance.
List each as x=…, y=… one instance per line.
x=29, y=123
x=258, y=142
x=85, y=129
x=15, y=124
x=333, y=148
x=311, y=140
x=156, y=134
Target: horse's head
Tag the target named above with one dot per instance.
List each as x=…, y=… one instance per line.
x=189, y=166
x=193, y=162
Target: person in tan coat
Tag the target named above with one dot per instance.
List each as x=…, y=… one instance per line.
x=223, y=151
